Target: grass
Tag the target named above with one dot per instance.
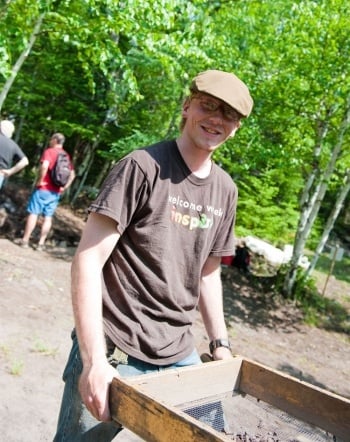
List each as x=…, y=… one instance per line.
x=42, y=348
x=325, y=298
x=329, y=314
x=5, y=350
x=15, y=366
x=340, y=270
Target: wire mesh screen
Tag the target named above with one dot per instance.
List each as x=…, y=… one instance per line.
x=242, y=417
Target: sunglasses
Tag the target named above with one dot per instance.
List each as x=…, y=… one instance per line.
x=209, y=106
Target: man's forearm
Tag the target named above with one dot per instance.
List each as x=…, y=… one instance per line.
x=70, y=180
x=211, y=306
x=99, y=238
x=87, y=309
x=17, y=167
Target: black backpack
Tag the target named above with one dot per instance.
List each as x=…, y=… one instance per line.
x=60, y=172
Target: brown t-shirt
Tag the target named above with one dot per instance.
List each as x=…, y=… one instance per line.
x=170, y=222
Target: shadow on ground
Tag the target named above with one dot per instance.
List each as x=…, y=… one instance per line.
x=255, y=301
x=250, y=299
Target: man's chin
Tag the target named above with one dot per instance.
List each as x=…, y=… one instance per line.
x=212, y=146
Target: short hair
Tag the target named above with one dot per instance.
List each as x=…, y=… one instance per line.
x=60, y=138
x=7, y=128
x=183, y=120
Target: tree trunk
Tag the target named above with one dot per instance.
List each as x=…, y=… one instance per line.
x=21, y=59
x=103, y=173
x=306, y=202
x=84, y=167
x=311, y=203
x=344, y=190
x=88, y=162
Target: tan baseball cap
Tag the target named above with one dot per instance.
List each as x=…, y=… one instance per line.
x=225, y=86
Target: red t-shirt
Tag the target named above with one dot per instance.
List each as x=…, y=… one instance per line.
x=50, y=155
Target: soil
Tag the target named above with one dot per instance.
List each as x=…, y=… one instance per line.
x=36, y=321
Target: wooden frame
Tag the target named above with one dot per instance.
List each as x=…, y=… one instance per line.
x=147, y=404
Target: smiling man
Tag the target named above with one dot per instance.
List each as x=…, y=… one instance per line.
x=150, y=255
x=212, y=114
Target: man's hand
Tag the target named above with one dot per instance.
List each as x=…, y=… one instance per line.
x=94, y=385
x=5, y=172
x=222, y=353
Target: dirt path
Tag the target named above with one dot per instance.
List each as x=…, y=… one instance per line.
x=36, y=321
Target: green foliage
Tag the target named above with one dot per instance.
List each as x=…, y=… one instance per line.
x=263, y=208
x=112, y=76
x=319, y=310
x=340, y=270
x=125, y=145
x=294, y=57
x=102, y=70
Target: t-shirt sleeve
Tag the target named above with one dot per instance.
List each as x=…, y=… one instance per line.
x=224, y=241
x=122, y=193
x=48, y=155
x=18, y=153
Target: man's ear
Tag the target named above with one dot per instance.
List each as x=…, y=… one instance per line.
x=185, y=107
x=235, y=129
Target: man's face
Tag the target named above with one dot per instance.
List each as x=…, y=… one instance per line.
x=209, y=121
x=53, y=142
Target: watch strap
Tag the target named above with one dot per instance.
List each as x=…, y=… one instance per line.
x=219, y=343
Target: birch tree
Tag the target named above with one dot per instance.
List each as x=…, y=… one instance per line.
x=296, y=56
x=312, y=199
x=28, y=45
x=21, y=59
x=338, y=205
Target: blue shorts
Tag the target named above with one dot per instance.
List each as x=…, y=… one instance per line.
x=43, y=202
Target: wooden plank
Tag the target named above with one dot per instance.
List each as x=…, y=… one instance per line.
x=154, y=421
x=146, y=404
x=302, y=400
x=178, y=386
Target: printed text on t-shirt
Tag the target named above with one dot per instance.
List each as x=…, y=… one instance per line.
x=180, y=209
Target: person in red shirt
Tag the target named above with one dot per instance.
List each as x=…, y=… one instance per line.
x=46, y=196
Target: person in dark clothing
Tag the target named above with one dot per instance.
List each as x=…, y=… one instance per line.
x=9, y=152
x=241, y=259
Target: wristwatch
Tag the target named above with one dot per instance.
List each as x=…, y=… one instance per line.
x=219, y=343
